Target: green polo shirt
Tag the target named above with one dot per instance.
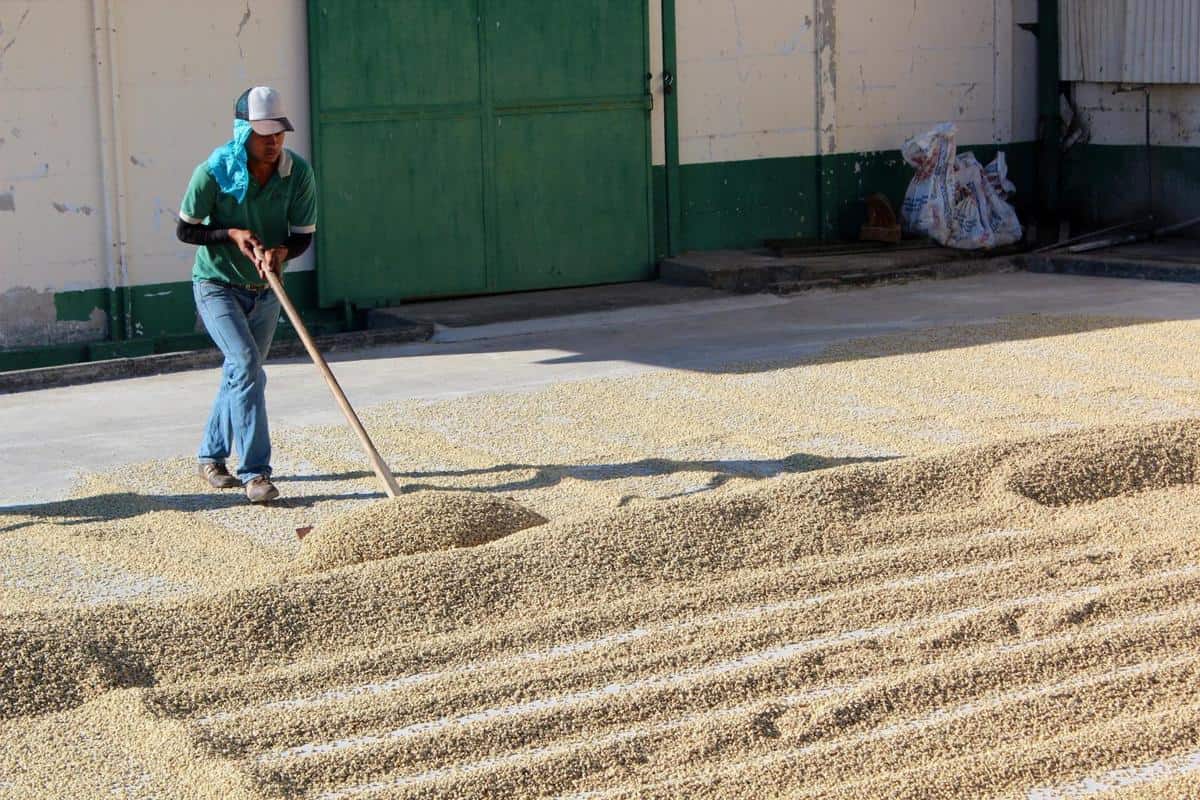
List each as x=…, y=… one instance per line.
x=286, y=205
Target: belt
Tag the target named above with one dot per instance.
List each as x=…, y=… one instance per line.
x=246, y=287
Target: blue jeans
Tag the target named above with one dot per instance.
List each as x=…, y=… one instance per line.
x=242, y=323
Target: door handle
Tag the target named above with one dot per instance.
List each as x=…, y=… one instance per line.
x=668, y=82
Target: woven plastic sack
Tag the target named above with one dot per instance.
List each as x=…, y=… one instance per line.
x=955, y=200
x=929, y=200
x=1003, y=217
x=970, y=218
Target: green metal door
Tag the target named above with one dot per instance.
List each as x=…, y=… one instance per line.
x=470, y=146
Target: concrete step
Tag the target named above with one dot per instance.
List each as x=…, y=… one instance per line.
x=469, y=312
x=25, y=380
x=957, y=269
x=1169, y=260
x=757, y=271
x=784, y=288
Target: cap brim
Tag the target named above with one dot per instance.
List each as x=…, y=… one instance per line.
x=270, y=127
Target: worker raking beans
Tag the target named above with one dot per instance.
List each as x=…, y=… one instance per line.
x=250, y=208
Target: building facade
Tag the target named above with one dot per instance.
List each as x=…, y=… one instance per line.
x=1131, y=73
x=473, y=146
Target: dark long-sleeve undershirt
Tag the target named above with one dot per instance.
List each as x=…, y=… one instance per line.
x=202, y=235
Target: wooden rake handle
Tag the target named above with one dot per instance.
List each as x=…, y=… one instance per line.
x=377, y=463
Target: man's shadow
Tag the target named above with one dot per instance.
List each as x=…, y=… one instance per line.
x=549, y=475
x=113, y=506
x=110, y=507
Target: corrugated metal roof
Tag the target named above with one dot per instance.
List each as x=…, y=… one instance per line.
x=1130, y=41
x=1162, y=42
x=1093, y=39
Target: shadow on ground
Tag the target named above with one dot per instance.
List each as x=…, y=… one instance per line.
x=915, y=318
x=115, y=506
x=127, y=505
x=549, y=475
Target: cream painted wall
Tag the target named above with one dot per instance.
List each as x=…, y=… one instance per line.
x=51, y=203
x=657, y=117
x=771, y=78
x=1025, y=69
x=747, y=79
x=903, y=68
x=180, y=66
x=1120, y=119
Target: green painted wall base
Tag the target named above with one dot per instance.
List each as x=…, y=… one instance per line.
x=165, y=322
x=739, y=204
x=724, y=206
x=1106, y=185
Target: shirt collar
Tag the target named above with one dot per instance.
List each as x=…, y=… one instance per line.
x=285, y=164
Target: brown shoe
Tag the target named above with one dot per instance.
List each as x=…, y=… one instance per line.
x=218, y=477
x=261, y=490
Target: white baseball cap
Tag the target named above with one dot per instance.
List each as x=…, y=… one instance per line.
x=262, y=107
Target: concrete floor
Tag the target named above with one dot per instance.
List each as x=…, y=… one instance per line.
x=475, y=311
x=52, y=434
x=1182, y=251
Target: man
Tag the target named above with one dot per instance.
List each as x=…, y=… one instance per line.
x=251, y=207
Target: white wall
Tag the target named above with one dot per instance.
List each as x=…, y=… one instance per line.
x=657, y=117
x=51, y=206
x=1025, y=73
x=1120, y=118
x=179, y=68
x=747, y=81
x=771, y=78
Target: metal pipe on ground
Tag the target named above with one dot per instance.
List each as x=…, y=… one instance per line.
x=1085, y=236
x=1135, y=238
x=1182, y=226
